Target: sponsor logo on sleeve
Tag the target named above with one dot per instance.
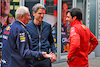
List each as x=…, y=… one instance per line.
x=22, y=37
x=5, y=37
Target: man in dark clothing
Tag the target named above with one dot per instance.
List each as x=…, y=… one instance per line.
x=41, y=34
x=16, y=50
x=6, y=18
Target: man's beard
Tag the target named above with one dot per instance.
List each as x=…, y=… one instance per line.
x=4, y=15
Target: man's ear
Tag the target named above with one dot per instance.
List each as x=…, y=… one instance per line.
x=33, y=13
x=74, y=18
x=22, y=16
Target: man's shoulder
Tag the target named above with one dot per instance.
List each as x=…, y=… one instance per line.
x=76, y=27
x=79, y=26
x=17, y=26
x=29, y=23
x=46, y=23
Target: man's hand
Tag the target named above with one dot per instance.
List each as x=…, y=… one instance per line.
x=11, y=19
x=46, y=55
x=53, y=59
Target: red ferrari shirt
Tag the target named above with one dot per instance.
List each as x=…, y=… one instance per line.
x=82, y=43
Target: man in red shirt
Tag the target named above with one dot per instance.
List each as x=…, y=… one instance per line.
x=82, y=41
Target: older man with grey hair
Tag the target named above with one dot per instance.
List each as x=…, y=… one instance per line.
x=16, y=50
x=42, y=39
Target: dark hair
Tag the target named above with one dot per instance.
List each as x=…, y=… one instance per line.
x=38, y=6
x=75, y=12
x=68, y=11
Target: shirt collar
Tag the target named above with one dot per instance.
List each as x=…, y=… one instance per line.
x=22, y=23
x=75, y=22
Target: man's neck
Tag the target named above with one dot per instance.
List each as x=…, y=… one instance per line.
x=37, y=22
x=21, y=21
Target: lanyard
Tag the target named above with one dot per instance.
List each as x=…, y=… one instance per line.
x=39, y=33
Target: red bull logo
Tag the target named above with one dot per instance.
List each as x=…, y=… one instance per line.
x=8, y=28
x=6, y=32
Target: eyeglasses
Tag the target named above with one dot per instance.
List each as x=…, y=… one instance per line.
x=3, y=1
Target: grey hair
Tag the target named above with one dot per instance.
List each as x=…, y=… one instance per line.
x=22, y=10
x=38, y=6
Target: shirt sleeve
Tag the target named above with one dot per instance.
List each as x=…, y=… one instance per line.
x=51, y=41
x=23, y=47
x=93, y=42
x=74, y=43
